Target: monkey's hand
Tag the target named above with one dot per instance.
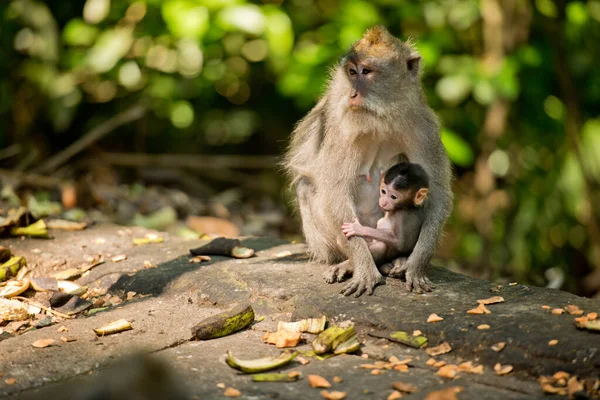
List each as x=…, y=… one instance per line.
x=338, y=272
x=352, y=228
x=415, y=278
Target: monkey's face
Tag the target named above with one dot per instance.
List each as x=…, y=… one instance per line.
x=391, y=199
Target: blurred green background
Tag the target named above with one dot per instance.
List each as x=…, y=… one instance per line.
x=515, y=83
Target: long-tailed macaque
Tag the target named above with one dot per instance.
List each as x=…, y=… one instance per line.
x=402, y=192
x=373, y=109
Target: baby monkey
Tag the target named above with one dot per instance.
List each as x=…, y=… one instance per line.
x=402, y=192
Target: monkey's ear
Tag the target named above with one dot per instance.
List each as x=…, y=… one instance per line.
x=412, y=62
x=420, y=196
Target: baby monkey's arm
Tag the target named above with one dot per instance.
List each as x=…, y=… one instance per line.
x=356, y=229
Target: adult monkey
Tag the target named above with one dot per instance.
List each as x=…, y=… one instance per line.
x=374, y=109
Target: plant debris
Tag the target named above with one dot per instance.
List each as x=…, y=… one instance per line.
x=483, y=327
x=309, y=325
x=277, y=377
x=317, y=381
x=119, y=258
x=395, y=395
x=500, y=369
x=225, y=323
x=491, y=300
x=434, y=318
x=199, y=259
x=260, y=364
x=448, y=371
x=553, y=342
x=405, y=387
x=337, y=339
x=402, y=337
x=113, y=327
x=13, y=310
x=557, y=311
x=148, y=239
x=448, y=393
x=585, y=323
x=66, y=225
x=41, y=343
x=498, y=347
x=282, y=338
x=222, y=246
x=443, y=348
x=573, y=309
x=14, y=287
x=36, y=230
x=11, y=267
x=232, y=392
x=480, y=309
x=333, y=395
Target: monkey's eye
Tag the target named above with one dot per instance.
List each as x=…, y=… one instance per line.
x=366, y=71
x=393, y=197
x=352, y=71
x=382, y=191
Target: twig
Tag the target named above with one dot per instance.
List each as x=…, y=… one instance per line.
x=51, y=311
x=200, y=161
x=35, y=180
x=134, y=113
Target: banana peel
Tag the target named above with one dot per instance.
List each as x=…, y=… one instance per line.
x=36, y=230
x=5, y=254
x=11, y=267
x=277, y=377
x=225, y=323
x=113, y=327
x=402, y=337
x=331, y=338
x=260, y=364
x=309, y=325
x=14, y=287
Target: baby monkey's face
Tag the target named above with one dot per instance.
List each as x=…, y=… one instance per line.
x=391, y=199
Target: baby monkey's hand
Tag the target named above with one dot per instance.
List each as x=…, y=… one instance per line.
x=352, y=228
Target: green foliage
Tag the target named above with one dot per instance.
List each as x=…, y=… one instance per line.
x=240, y=73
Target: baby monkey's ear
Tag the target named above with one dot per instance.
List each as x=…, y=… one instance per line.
x=412, y=62
x=420, y=196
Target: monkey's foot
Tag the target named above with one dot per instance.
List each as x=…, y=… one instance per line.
x=415, y=278
x=385, y=269
x=363, y=283
x=338, y=272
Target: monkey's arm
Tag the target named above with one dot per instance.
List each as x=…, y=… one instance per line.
x=383, y=235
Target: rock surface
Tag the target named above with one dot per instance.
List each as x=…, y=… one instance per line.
x=281, y=284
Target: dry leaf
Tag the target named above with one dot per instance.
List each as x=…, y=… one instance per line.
x=336, y=379
x=447, y=371
x=448, y=393
x=574, y=386
x=500, y=369
x=41, y=343
x=199, y=259
x=62, y=329
x=573, y=309
x=395, y=395
x=480, y=309
x=483, y=327
x=232, y=392
x=131, y=295
x=318, y=381
x=430, y=362
x=561, y=375
x=405, y=387
x=492, y=300
x=293, y=374
x=553, y=342
x=302, y=360
x=439, y=364
x=434, y=318
x=221, y=385
x=498, y=346
x=401, y=368
x=282, y=338
x=148, y=264
x=546, y=307
x=333, y=395
x=466, y=366
x=477, y=370
x=417, y=333
x=558, y=311
x=10, y=381
x=440, y=349
x=119, y=258
x=68, y=339
x=281, y=254
x=376, y=372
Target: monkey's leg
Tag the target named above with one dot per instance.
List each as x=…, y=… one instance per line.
x=366, y=276
x=317, y=242
x=338, y=272
x=415, y=267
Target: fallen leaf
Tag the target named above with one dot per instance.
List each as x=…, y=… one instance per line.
x=492, y=300
x=592, y=316
x=561, y=375
x=405, y=387
x=302, y=360
x=498, y=346
x=553, y=342
x=573, y=309
x=434, y=318
x=500, y=369
x=232, y=392
x=439, y=364
x=318, y=381
x=148, y=264
x=477, y=370
x=395, y=395
x=417, y=333
x=113, y=327
x=131, y=295
x=221, y=385
x=448, y=393
x=119, y=258
x=281, y=254
x=336, y=379
x=447, y=371
x=430, y=362
x=10, y=381
x=401, y=368
x=199, y=259
x=438, y=350
x=546, y=307
x=68, y=339
x=282, y=338
x=333, y=395
x=41, y=343
x=483, y=327
x=480, y=309
x=376, y=372
x=62, y=329
x=557, y=311
x=466, y=366
x=574, y=386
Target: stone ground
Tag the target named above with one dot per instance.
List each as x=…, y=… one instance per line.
x=179, y=294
